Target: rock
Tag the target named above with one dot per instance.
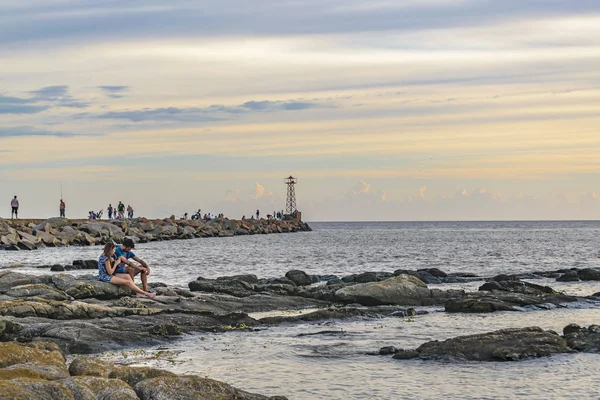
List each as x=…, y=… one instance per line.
x=300, y=278
x=477, y=305
x=399, y=290
x=57, y=268
x=427, y=277
x=90, y=366
x=234, y=287
x=190, y=388
x=583, y=339
x=9, y=279
x=589, y=274
x=517, y=286
x=134, y=375
x=92, y=387
x=96, y=289
x=504, y=345
x=37, y=290
x=387, y=350
x=39, y=354
x=438, y=273
x=405, y=354
x=569, y=276
x=25, y=389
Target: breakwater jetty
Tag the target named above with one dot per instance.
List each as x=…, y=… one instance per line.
x=31, y=234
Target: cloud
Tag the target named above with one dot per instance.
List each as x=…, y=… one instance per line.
x=211, y=113
x=232, y=195
x=21, y=109
x=51, y=92
x=259, y=192
x=114, y=92
x=19, y=131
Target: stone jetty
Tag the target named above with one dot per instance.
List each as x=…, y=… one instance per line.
x=29, y=234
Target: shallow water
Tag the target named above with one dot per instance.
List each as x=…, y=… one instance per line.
x=334, y=366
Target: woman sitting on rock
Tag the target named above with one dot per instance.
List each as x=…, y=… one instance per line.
x=106, y=268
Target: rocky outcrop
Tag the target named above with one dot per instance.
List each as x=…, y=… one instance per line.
x=514, y=344
x=507, y=293
x=38, y=371
x=54, y=232
x=504, y=345
x=403, y=290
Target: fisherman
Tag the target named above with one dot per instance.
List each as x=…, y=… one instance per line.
x=62, y=208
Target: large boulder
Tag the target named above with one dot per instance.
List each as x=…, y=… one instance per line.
x=589, y=274
x=513, y=344
x=25, y=389
x=404, y=290
x=300, y=278
x=191, y=388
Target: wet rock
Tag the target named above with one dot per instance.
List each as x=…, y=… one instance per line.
x=583, y=339
x=427, y=278
x=300, y=278
x=384, y=351
x=503, y=301
x=569, y=276
x=516, y=286
x=234, y=287
x=504, y=345
x=589, y=274
x=477, y=305
x=190, y=388
x=405, y=354
x=399, y=290
x=438, y=273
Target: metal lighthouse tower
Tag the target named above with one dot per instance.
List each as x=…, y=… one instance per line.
x=290, y=204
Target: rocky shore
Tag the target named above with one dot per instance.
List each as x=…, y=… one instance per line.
x=38, y=370
x=63, y=314
x=28, y=234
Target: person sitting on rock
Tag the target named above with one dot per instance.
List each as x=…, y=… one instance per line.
x=107, y=267
x=125, y=254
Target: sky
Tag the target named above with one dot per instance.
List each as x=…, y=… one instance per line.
x=383, y=109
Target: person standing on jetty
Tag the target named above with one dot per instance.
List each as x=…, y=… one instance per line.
x=129, y=211
x=110, y=211
x=14, y=205
x=62, y=208
x=121, y=210
x=257, y=214
x=124, y=253
x=108, y=266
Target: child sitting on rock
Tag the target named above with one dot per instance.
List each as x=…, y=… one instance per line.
x=106, y=269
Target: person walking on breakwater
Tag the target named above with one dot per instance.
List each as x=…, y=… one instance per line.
x=129, y=211
x=107, y=267
x=257, y=214
x=62, y=208
x=110, y=211
x=124, y=253
x=14, y=205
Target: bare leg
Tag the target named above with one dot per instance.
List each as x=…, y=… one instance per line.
x=128, y=283
x=144, y=278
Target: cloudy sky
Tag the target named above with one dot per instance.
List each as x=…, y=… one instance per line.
x=384, y=109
